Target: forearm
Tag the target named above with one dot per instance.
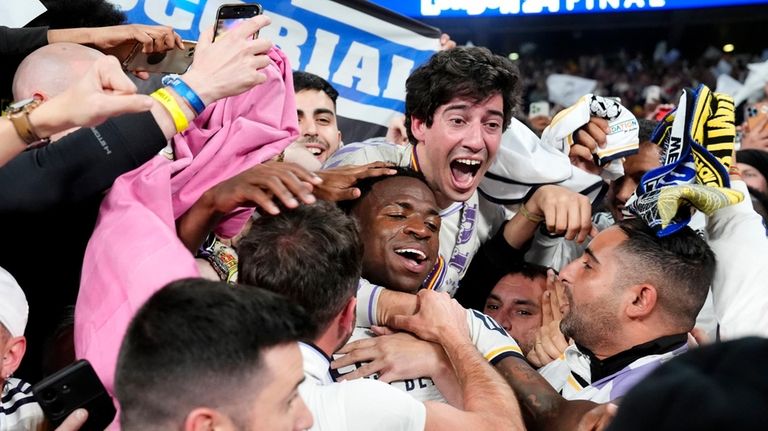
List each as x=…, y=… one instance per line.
x=79, y=165
x=81, y=36
x=195, y=224
x=542, y=407
x=11, y=144
x=447, y=383
x=483, y=390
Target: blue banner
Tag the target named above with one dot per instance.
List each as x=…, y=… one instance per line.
x=469, y=8
x=366, y=52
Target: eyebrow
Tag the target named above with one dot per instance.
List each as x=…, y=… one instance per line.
x=462, y=106
x=515, y=301
x=591, y=254
x=319, y=111
x=408, y=206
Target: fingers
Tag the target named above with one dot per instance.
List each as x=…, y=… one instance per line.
x=205, y=39
x=546, y=305
x=112, y=77
x=249, y=27
x=74, y=421
x=581, y=151
x=382, y=330
x=375, y=171
x=364, y=370
x=260, y=199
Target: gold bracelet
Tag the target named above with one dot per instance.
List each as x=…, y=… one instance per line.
x=173, y=108
x=534, y=218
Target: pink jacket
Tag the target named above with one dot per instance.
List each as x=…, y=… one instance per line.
x=134, y=249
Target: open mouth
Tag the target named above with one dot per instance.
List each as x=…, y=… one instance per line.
x=415, y=260
x=316, y=151
x=464, y=171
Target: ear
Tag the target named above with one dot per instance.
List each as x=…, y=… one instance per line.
x=348, y=316
x=341, y=140
x=418, y=127
x=642, y=301
x=205, y=419
x=40, y=95
x=12, y=355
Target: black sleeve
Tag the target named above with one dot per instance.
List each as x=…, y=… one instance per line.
x=495, y=259
x=22, y=40
x=80, y=164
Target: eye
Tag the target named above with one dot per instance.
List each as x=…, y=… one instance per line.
x=492, y=307
x=456, y=121
x=323, y=121
x=586, y=264
x=396, y=216
x=524, y=313
x=493, y=125
x=432, y=226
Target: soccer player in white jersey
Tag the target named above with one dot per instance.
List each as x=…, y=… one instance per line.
x=313, y=255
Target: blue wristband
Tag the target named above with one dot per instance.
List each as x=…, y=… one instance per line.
x=184, y=90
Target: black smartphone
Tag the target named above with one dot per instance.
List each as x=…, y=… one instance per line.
x=230, y=16
x=76, y=386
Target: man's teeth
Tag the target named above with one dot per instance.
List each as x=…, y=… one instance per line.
x=468, y=162
x=315, y=151
x=417, y=253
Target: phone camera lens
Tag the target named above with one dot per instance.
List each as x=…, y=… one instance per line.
x=48, y=395
x=65, y=389
x=155, y=58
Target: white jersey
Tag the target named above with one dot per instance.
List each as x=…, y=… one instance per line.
x=490, y=339
x=361, y=404
x=561, y=374
x=464, y=226
x=19, y=411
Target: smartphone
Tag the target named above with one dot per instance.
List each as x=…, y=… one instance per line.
x=755, y=114
x=230, y=16
x=174, y=61
x=76, y=386
x=538, y=109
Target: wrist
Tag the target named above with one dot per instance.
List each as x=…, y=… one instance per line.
x=46, y=119
x=198, y=85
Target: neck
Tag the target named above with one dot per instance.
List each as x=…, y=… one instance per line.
x=328, y=342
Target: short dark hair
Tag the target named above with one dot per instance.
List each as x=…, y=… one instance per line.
x=530, y=270
x=309, y=81
x=366, y=185
x=311, y=254
x=472, y=72
x=195, y=342
x=78, y=13
x=681, y=266
x=645, y=129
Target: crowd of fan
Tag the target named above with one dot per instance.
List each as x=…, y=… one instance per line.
x=225, y=261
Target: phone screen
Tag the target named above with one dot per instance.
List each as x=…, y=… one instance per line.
x=229, y=17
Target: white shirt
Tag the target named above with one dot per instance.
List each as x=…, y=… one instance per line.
x=361, y=404
x=19, y=410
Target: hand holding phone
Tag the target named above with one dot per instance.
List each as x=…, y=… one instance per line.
x=230, y=66
x=176, y=60
x=75, y=387
x=756, y=116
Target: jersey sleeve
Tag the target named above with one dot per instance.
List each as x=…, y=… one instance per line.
x=367, y=299
x=490, y=338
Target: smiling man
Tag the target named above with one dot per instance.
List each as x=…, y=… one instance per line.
x=316, y=108
x=457, y=106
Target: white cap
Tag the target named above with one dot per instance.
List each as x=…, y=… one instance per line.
x=13, y=305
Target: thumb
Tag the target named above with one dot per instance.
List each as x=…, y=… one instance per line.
x=401, y=322
x=205, y=39
x=74, y=421
x=381, y=330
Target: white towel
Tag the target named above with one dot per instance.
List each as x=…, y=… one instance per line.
x=524, y=162
x=622, y=139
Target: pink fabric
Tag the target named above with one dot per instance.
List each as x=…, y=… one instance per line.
x=134, y=249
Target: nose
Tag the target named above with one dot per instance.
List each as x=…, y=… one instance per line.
x=417, y=227
x=304, y=419
x=473, y=140
x=567, y=273
x=505, y=321
x=308, y=127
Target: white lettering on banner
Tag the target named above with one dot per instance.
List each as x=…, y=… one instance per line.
x=401, y=69
x=179, y=18
x=537, y=6
x=289, y=34
x=513, y=7
x=320, y=62
x=361, y=61
x=615, y=4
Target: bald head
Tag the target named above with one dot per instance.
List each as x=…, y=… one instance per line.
x=51, y=69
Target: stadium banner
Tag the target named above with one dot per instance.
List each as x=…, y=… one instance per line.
x=463, y=8
x=364, y=50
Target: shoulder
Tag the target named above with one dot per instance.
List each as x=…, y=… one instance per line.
x=360, y=153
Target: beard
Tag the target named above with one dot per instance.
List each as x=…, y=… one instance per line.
x=591, y=325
